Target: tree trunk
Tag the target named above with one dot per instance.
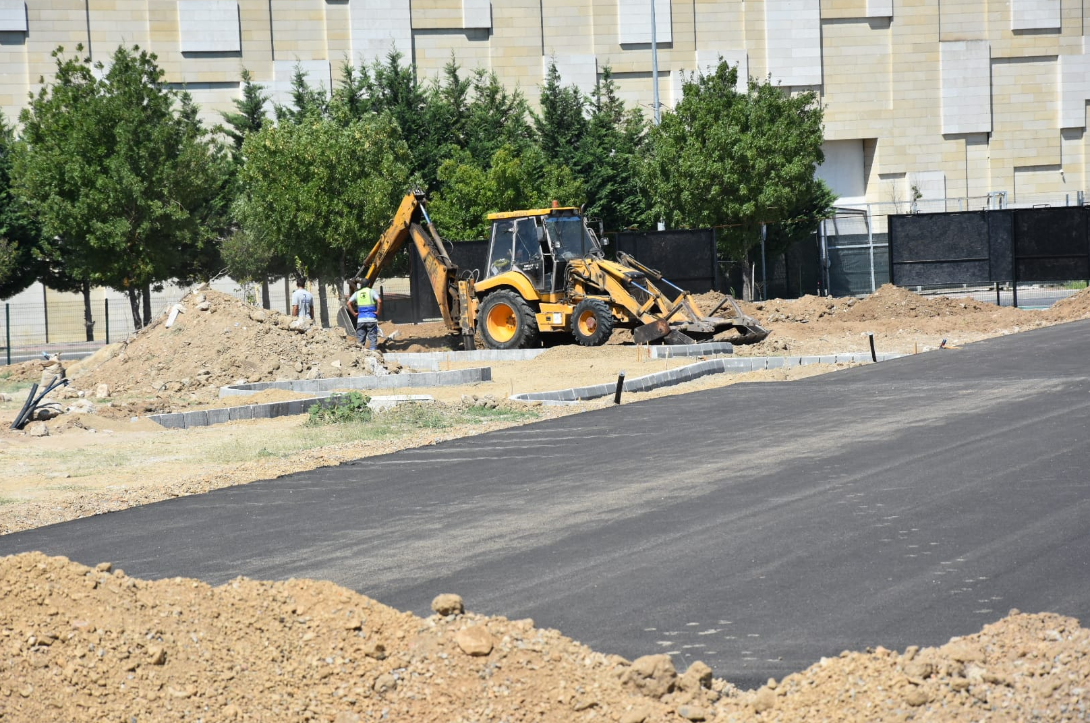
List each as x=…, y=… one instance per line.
x=323, y=306
x=265, y=302
x=748, y=272
x=88, y=322
x=146, y=292
x=134, y=307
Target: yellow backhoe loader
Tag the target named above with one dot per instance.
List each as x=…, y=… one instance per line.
x=547, y=281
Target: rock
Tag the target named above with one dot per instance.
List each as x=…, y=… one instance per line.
x=692, y=712
x=336, y=363
x=339, y=332
x=448, y=604
x=919, y=669
x=696, y=677
x=156, y=655
x=385, y=682
x=81, y=406
x=637, y=715
x=44, y=413
x=374, y=649
x=965, y=652
x=346, y=716
x=300, y=325
x=299, y=367
x=474, y=641
x=917, y=697
x=4, y=397
x=258, y=315
x=764, y=700
x=102, y=391
x=204, y=306
x=37, y=429
x=314, y=374
x=651, y=675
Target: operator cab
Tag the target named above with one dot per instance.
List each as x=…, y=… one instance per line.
x=539, y=244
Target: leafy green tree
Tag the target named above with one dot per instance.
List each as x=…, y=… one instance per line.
x=306, y=101
x=609, y=157
x=513, y=180
x=350, y=99
x=249, y=116
x=123, y=183
x=733, y=160
x=322, y=193
x=496, y=118
x=19, y=236
x=562, y=122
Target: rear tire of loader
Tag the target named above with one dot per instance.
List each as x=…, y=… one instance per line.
x=506, y=321
x=591, y=322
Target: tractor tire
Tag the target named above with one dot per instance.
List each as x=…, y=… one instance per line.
x=506, y=321
x=591, y=322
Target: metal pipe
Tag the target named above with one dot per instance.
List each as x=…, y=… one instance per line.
x=873, y=355
x=106, y=306
x=620, y=387
x=655, y=62
x=7, y=329
x=764, y=265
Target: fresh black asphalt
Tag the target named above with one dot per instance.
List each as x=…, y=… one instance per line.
x=757, y=527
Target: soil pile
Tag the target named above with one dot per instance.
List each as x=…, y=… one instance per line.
x=92, y=644
x=220, y=340
x=1073, y=308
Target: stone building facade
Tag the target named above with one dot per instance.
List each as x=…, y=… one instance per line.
x=954, y=98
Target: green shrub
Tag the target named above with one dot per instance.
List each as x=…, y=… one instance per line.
x=351, y=407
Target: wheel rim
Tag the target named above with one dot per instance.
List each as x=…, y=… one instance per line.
x=502, y=322
x=587, y=322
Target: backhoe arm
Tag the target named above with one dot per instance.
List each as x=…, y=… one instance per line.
x=441, y=271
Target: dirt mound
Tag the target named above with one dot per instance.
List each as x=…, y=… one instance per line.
x=220, y=340
x=1073, y=308
x=91, y=644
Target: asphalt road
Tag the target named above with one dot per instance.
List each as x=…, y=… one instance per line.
x=756, y=527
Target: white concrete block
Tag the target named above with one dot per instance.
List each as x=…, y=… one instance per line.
x=1035, y=14
x=634, y=21
x=578, y=70
x=1074, y=71
x=793, y=41
x=317, y=72
x=209, y=26
x=476, y=14
x=13, y=16
x=843, y=170
x=879, y=8
x=965, y=68
x=377, y=26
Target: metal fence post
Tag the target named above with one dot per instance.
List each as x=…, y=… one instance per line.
x=106, y=306
x=764, y=267
x=7, y=330
x=870, y=247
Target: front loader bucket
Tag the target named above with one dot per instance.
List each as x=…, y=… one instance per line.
x=746, y=334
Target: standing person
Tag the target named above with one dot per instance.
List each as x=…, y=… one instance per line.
x=302, y=301
x=366, y=305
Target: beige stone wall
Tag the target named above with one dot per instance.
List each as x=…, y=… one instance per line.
x=882, y=74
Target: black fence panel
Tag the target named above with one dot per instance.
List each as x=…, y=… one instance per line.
x=1051, y=244
x=466, y=255
x=795, y=273
x=1001, y=242
x=939, y=248
x=686, y=258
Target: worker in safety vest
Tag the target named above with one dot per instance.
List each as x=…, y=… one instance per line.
x=366, y=305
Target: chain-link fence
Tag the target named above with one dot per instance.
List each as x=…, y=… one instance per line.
x=29, y=330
